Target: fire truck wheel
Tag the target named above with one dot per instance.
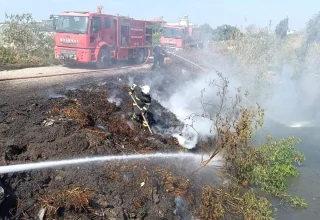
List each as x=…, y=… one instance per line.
x=104, y=59
x=140, y=56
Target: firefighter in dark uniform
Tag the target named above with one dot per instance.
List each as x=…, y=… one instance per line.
x=158, y=56
x=141, y=104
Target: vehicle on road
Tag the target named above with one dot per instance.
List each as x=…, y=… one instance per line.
x=94, y=37
x=176, y=36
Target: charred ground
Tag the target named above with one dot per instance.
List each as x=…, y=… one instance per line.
x=93, y=119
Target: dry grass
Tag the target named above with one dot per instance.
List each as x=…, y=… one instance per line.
x=138, y=203
x=210, y=208
x=71, y=200
x=55, y=110
x=218, y=203
x=77, y=114
x=174, y=184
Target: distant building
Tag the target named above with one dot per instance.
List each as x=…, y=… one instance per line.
x=291, y=32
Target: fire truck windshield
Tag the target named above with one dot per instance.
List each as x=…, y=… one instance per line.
x=172, y=33
x=72, y=24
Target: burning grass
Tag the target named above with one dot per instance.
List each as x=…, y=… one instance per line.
x=77, y=200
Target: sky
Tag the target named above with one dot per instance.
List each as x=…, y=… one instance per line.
x=213, y=12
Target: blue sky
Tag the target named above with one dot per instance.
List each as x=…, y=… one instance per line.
x=214, y=12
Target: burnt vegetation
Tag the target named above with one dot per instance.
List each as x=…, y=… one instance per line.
x=86, y=122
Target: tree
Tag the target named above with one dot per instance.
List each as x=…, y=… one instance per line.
x=312, y=36
x=20, y=31
x=29, y=44
x=156, y=32
x=313, y=29
x=156, y=27
x=206, y=28
x=282, y=28
x=225, y=32
x=207, y=31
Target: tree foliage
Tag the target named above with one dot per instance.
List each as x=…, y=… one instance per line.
x=206, y=28
x=156, y=27
x=156, y=38
x=21, y=31
x=313, y=29
x=225, y=32
x=282, y=28
x=312, y=38
x=156, y=33
x=269, y=166
x=24, y=43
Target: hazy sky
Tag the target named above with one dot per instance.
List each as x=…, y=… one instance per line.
x=214, y=12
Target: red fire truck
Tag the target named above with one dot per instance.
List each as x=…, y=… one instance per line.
x=176, y=36
x=86, y=37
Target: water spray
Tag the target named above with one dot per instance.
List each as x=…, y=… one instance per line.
x=51, y=164
x=189, y=61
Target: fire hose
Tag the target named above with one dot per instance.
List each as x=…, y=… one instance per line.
x=75, y=73
x=189, y=61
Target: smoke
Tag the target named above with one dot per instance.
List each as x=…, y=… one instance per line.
x=114, y=99
x=294, y=102
x=187, y=94
x=289, y=101
x=200, y=97
x=52, y=94
x=286, y=100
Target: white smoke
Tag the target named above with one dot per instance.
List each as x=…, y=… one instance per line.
x=196, y=97
x=294, y=102
x=114, y=99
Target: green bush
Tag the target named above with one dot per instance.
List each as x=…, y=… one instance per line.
x=24, y=44
x=269, y=166
x=156, y=38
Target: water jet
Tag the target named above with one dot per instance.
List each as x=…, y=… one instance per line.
x=60, y=163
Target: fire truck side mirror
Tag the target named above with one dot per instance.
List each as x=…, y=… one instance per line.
x=54, y=20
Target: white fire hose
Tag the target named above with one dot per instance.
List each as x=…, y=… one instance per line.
x=189, y=61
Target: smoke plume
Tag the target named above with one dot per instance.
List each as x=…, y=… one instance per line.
x=288, y=101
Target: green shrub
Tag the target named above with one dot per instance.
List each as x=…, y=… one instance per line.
x=24, y=44
x=269, y=166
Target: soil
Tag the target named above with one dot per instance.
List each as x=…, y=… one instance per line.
x=91, y=120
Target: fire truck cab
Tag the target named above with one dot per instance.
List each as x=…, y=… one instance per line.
x=176, y=36
x=86, y=37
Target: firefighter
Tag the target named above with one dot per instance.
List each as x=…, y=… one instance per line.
x=159, y=54
x=141, y=103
